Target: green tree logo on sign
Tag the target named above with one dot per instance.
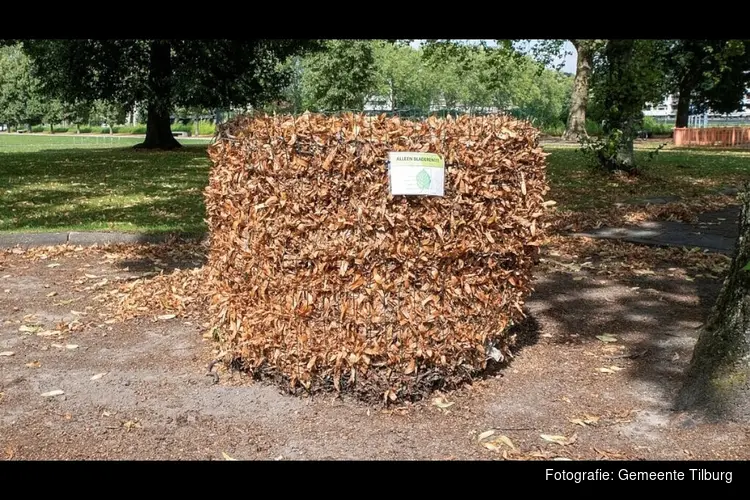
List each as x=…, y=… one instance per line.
x=423, y=179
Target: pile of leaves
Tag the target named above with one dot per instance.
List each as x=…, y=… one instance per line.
x=322, y=280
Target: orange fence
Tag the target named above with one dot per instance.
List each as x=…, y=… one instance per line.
x=712, y=136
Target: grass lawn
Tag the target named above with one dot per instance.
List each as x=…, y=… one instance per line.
x=99, y=183
x=682, y=172
x=54, y=183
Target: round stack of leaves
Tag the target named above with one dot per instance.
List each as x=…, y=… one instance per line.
x=322, y=279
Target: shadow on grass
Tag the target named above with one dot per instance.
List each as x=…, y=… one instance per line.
x=108, y=188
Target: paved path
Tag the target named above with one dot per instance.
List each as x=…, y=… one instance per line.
x=715, y=231
x=8, y=240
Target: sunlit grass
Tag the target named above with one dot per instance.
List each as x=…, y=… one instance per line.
x=56, y=183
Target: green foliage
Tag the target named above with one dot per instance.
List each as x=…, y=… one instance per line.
x=342, y=76
x=653, y=127
x=179, y=127
x=21, y=102
x=627, y=74
x=206, y=128
x=712, y=73
x=204, y=73
x=444, y=77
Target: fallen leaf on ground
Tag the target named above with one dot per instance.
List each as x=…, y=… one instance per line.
x=227, y=457
x=166, y=316
x=56, y=392
x=586, y=420
x=611, y=369
x=54, y=264
x=51, y=294
x=131, y=424
x=98, y=376
x=28, y=329
x=496, y=444
x=561, y=440
x=33, y=364
x=91, y=276
x=7, y=353
x=485, y=435
x=72, y=346
x=47, y=333
x=607, y=338
x=442, y=403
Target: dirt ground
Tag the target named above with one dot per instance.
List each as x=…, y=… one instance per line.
x=593, y=378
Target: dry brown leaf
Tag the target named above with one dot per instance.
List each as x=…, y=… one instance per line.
x=442, y=403
x=33, y=364
x=7, y=353
x=561, y=440
x=486, y=434
x=131, y=424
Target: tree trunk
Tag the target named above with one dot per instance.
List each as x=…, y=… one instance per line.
x=717, y=380
x=78, y=128
x=576, y=126
x=158, y=125
x=51, y=129
x=624, y=108
x=683, y=107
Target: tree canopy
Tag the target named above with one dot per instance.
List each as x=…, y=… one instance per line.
x=164, y=73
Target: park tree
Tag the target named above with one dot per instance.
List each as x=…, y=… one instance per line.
x=341, y=76
x=575, y=127
x=403, y=76
x=717, y=381
x=708, y=74
x=164, y=73
x=21, y=102
x=627, y=74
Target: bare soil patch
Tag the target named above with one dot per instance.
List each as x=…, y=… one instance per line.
x=601, y=355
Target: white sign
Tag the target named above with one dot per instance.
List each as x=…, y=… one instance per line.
x=414, y=173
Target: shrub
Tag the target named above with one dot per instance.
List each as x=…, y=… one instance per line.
x=321, y=280
x=206, y=128
x=653, y=127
